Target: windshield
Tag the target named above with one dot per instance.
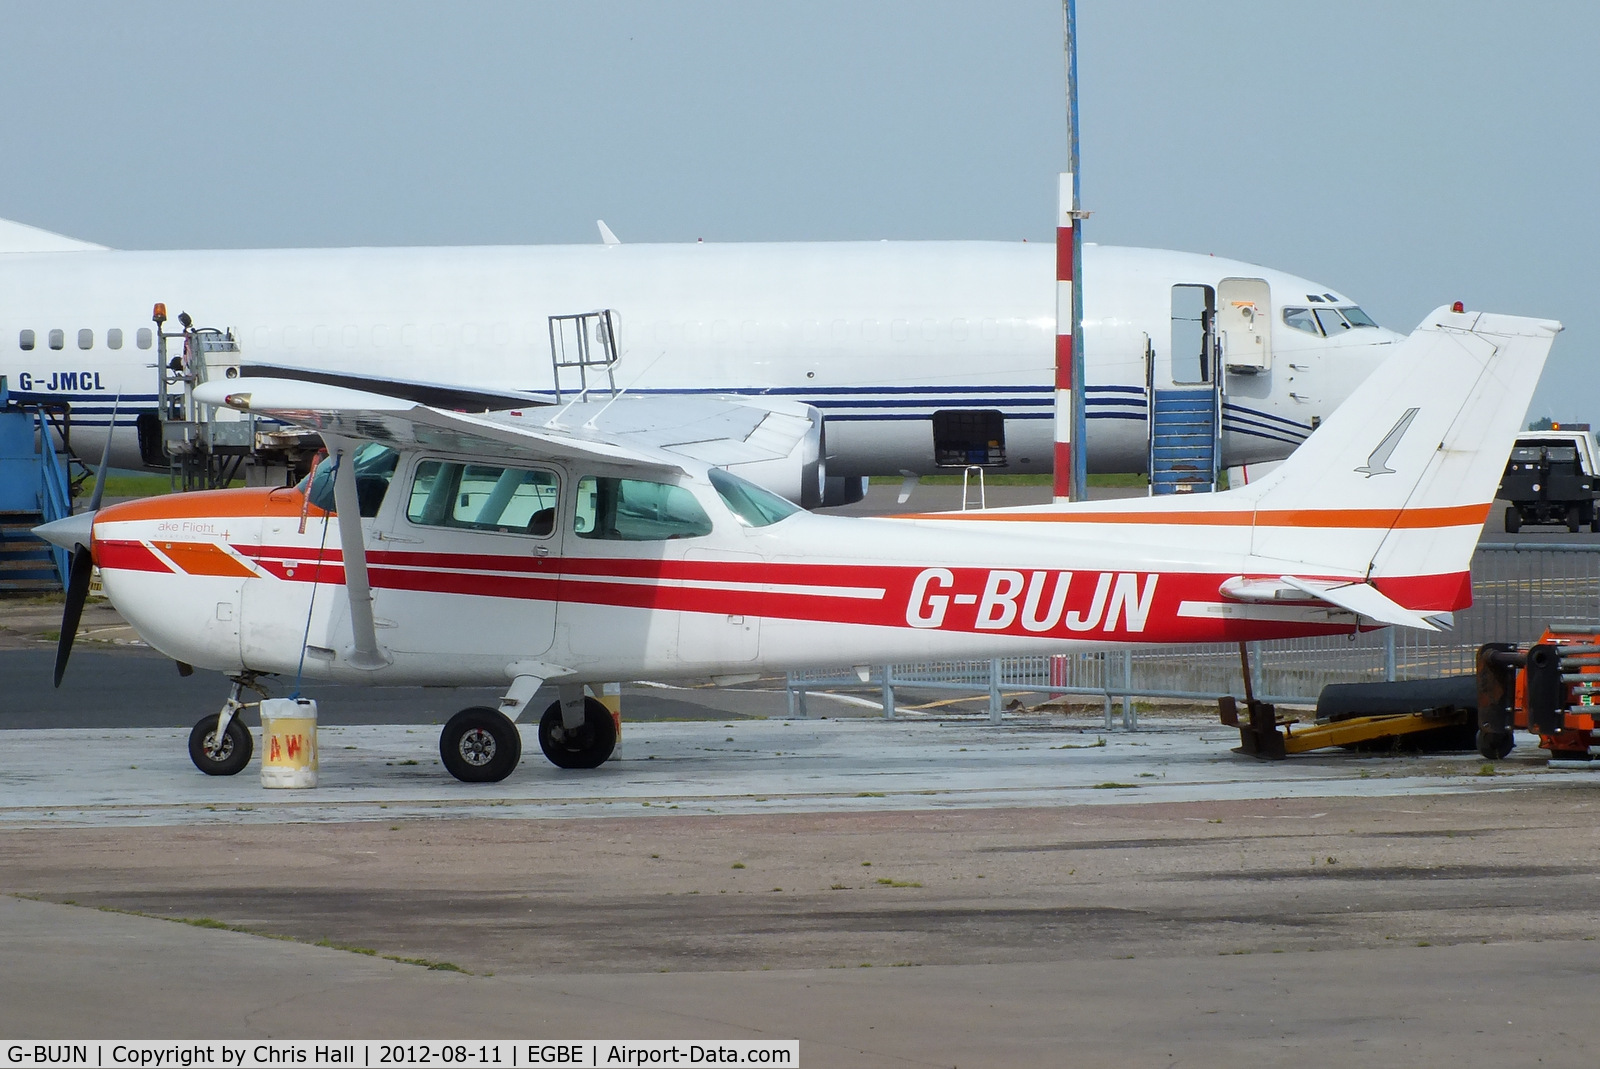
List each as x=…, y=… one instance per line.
x=754, y=506
x=1357, y=317
x=374, y=467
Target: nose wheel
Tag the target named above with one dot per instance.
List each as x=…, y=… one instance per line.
x=480, y=745
x=585, y=746
x=223, y=754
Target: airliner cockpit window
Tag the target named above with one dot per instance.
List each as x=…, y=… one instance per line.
x=374, y=466
x=1357, y=317
x=1330, y=321
x=1301, y=319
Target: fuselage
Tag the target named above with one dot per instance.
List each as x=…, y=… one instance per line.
x=245, y=580
x=880, y=336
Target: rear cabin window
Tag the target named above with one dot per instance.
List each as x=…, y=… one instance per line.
x=484, y=497
x=633, y=510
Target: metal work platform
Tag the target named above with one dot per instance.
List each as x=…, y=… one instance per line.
x=208, y=446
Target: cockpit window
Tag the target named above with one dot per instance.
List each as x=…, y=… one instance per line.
x=374, y=467
x=632, y=510
x=1330, y=321
x=754, y=506
x=1301, y=319
x=1357, y=317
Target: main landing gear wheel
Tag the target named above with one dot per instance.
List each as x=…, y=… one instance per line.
x=583, y=747
x=1495, y=745
x=480, y=745
x=224, y=757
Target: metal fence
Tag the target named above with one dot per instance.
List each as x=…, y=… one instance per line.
x=1518, y=588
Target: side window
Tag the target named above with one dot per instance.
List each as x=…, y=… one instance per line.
x=58, y=339
x=143, y=338
x=1300, y=319
x=25, y=340
x=114, y=338
x=632, y=510
x=86, y=338
x=484, y=497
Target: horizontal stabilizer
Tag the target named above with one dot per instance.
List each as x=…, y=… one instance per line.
x=1361, y=599
x=1364, y=600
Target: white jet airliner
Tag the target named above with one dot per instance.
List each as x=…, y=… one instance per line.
x=920, y=354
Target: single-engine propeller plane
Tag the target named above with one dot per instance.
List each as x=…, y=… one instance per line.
x=609, y=543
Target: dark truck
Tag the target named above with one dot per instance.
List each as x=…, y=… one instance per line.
x=1550, y=479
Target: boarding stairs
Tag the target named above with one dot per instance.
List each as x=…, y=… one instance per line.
x=1185, y=438
x=33, y=489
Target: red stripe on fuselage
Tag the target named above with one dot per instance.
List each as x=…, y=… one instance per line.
x=970, y=595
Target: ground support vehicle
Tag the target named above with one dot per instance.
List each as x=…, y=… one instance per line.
x=1548, y=688
x=1551, y=478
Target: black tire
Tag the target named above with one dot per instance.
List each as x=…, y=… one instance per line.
x=585, y=747
x=227, y=758
x=1594, y=521
x=1495, y=745
x=1574, y=519
x=1513, y=519
x=480, y=745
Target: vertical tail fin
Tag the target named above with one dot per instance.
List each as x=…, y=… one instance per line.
x=1398, y=481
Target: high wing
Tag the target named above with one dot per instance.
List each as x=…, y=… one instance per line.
x=648, y=432
x=435, y=394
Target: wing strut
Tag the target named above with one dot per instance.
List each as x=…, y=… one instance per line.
x=366, y=655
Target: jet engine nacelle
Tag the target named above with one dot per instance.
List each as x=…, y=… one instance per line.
x=793, y=433
x=773, y=442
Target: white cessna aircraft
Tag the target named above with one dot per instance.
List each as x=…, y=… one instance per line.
x=917, y=353
x=522, y=548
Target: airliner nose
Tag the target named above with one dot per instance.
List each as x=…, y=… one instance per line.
x=69, y=532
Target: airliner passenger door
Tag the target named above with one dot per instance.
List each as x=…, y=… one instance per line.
x=1244, y=325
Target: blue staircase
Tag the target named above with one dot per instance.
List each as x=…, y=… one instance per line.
x=33, y=490
x=1184, y=439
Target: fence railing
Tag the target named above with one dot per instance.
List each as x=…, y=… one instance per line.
x=1518, y=588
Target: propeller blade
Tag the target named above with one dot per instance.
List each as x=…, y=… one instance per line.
x=77, y=594
x=105, y=459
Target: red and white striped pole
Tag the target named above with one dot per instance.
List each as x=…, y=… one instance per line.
x=1070, y=467
x=1066, y=384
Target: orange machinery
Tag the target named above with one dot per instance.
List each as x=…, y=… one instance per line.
x=1550, y=688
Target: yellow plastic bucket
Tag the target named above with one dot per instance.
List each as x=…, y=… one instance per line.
x=288, y=742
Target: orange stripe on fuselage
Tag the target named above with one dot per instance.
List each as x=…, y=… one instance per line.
x=1379, y=519
x=245, y=501
x=203, y=558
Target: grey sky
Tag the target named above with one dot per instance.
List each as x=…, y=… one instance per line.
x=1407, y=154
